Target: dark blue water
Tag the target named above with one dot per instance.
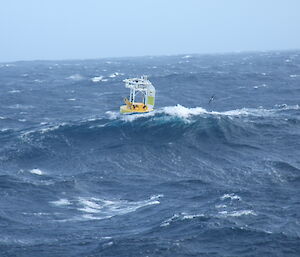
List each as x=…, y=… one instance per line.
x=190, y=179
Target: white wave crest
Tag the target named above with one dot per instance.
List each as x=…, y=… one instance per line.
x=108, y=208
x=115, y=74
x=231, y=197
x=180, y=217
x=4, y=129
x=36, y=172
x=97, y=79
x=187, y=113
x=190, y=217
x=14, y=91
x=258, y=112
x=288, y=107
x=237, y=213
x=61, y=202
x=112, y=115
x=261, y=85
x=181, y=111
x=221, y=206
x=96, y=209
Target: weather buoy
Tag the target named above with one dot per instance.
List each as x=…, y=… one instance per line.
x=139, y=87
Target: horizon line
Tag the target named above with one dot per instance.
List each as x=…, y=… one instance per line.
x=150, y=55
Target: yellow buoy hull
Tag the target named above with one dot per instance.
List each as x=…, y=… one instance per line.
x=134, y=108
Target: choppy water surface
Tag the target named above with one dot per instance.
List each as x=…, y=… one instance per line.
x=189, y=179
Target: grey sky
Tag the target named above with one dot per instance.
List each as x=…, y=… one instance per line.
x=70, y=29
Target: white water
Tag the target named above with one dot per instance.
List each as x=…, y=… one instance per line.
x=93, y=208
x=37, y=172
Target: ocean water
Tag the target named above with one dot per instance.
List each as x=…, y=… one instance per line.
x=189, y=179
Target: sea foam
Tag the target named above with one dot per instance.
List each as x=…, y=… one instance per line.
x=36, y=172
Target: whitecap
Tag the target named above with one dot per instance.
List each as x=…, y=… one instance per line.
x=259, y=112
x=91, y=217
x=61, y=202
x=88, y=210
x=231, y=196
x=50, y=128
x=14, y=91
x=115, y=74
x=113, y=115
x=4, y=129
x=186, y=113
x=259, y=86
x=36, y=172
x=97, y=79
x=96, y=208
x=38, y=81
x=40, y=214
x=237, y=213
x=102, y=209
x=90, y=203
x=156, y=196
x=106, y=237
x=182, y=111
x=109, y=243
x=193, y=216
x=43, y=130
x=168, y=221
x=180, y=217
x=220, y=206
x=288, y=107
x=113, y=207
